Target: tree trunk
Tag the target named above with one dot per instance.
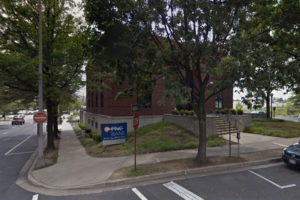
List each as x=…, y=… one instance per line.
x=50, y=133
x=268, y=105
x=201, y=114
x=55, y=122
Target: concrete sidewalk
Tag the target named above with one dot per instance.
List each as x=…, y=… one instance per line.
x=75, y=169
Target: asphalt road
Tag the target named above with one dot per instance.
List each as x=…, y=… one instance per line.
x=16, y=146
x=274, y=182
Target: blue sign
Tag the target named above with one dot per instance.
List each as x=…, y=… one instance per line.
x=113, y=133
x=238, y=135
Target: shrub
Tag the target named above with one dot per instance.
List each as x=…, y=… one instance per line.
x=175, y=112
x=82, y=126
x=191, y=112
x=217, y=111
x=181, y=112
x=233, y=111
x=96, y=137
x=240, y=111
x=224, y=111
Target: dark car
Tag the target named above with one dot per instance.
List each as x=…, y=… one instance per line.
x=18, y=120
x=291, y=155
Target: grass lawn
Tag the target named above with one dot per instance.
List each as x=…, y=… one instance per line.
x=156, y=137
x=274, y=127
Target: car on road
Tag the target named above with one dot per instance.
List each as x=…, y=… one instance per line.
x=291, y=155
x=18, y=120
x=257, y=112
x=299, y=118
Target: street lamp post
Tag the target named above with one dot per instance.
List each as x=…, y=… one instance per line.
x=40, y=160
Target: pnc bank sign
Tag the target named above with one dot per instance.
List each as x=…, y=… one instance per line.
x=113, y=133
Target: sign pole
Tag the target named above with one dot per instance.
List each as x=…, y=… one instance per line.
x=135, y=126
x=40, y=160
x=238, y=136
x=134, y=150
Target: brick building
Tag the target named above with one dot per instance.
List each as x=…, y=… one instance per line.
x=103, y=108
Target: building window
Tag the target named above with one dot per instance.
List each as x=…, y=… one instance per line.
x=96, y=124
x=89, y=121
x=92, y=123
x=101, y=100
x=145, y=100
x=97, y=103
x=92, y=98
x=219, y=101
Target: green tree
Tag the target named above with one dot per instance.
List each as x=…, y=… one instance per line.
x=192, y=44
x=63, y=50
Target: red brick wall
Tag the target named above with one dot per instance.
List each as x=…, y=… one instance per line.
x=122, y=107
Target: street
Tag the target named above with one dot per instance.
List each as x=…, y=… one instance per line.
x=16, y=146
x=275, y=181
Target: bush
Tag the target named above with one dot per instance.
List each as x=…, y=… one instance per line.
x=217, y=111
x=175, y=112
x=181, y=112
x=233, y=111
x=96, y=137
x=85, y=128
x=191, y=112
x=240, y=111
x=224, y=111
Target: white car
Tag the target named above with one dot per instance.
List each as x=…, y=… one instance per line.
x=299, y=118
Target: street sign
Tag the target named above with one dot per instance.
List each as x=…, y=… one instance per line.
x=135, y=121
x=40, y=117
x=113, y=133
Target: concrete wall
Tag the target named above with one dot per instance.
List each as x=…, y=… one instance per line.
x=264, y=116
x=191, y=123
x=238, y=121
x=94, y=121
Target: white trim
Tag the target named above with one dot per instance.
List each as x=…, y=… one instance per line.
x=273, y=183
x=139, y=194
x=35, y=197
x=18, y=145
x=181, y=191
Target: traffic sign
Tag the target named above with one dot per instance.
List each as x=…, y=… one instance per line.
x=135, y=121
x=40, y=117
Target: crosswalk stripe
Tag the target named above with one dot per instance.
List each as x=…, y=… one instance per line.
x=139, y=194
x=181, y=191
x=35, y=197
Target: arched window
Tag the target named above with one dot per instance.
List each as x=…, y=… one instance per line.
x=219, y=101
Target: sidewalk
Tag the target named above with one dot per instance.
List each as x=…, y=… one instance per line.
x=75, y=169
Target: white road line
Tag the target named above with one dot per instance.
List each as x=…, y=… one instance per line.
x=279, y=186
x=19, y=153
x=181, y=191
x=4, y=133
x=282, y=145
x=35, y=197
x=139, y=194
x=18, y=145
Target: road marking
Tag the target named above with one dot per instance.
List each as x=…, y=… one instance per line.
x=19, y=153
x=17, y=145
x=279, y=186
x=35, y=197
x=4, y=133
x=181, y=191
x=139, y=194
x=282, y=145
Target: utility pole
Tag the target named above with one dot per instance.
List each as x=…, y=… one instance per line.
x=40, y=160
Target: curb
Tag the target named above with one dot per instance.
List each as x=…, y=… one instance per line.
x=28, y=182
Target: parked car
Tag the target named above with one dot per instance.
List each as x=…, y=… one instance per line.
x=18, y=120
x=299, y=118
x=291, y=155
x=257, y=112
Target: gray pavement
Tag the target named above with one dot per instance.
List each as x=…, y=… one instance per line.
x=76, y=169
x=270, y=182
